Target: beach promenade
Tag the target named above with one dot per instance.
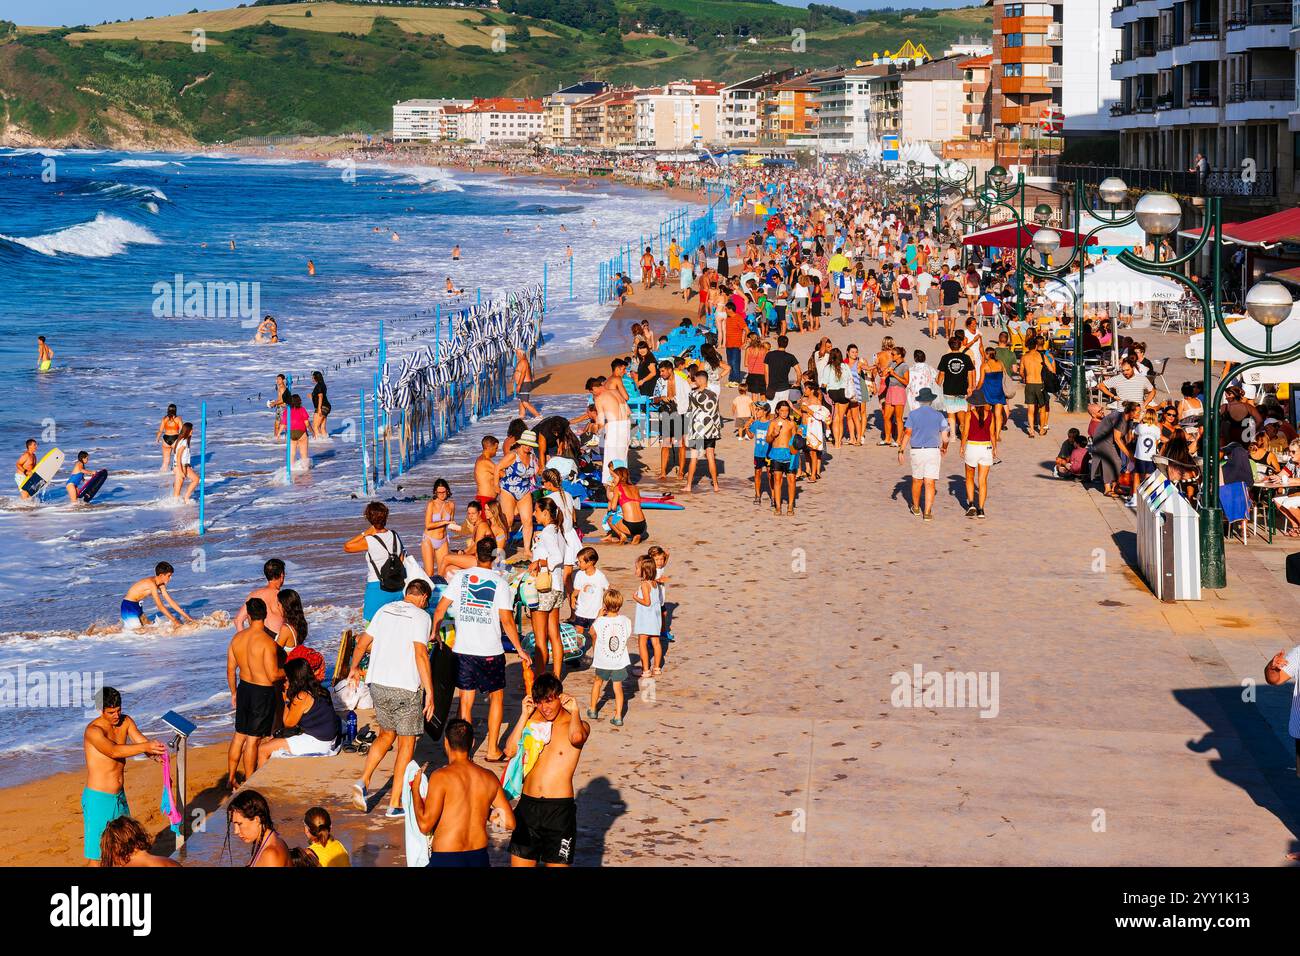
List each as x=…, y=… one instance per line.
x=1118, y=735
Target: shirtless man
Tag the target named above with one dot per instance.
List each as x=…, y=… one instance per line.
x=614, y=418
x=109, y=740
x=251, y=656
x=487, y=479
x=462, y=797
x=617, y=369
x=44, y=354
x=26, y=465
x=524, y=385
x=546, y=816
x=154, y=587
x=270, y=595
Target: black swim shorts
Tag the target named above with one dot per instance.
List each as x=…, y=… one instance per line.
x=546, y=829
x=254, y=709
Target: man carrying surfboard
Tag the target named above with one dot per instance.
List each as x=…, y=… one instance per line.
x=26, y=465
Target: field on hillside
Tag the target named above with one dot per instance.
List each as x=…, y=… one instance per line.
x=324, y=18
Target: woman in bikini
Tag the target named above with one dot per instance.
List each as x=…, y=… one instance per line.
x=438, y=516
x=168, y=432
x=518, y=481
x=293, y=632
x=249, y=816
x=630, y=525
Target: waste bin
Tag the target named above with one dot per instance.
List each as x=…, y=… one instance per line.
x=1169, y=544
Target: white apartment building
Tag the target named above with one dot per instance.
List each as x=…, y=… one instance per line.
x=1088, y=91
x=561, y=129
x=422, y=119
x=844, y=108
x=745, y=106
x=679, y=115
x=502, y=119
x=1210, y=76
x=932, y=98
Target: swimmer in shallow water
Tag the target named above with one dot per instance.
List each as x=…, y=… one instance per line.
x=155, y=587
x=311, y=268
x=25, y=466
x=267, y=331
x=168, y=431
x=452, y=290
x=79, y=475
x=44, y=354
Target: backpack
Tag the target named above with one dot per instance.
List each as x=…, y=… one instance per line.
x=886, y=285
x=391, y=574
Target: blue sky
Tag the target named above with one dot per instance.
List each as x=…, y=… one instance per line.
x=74, y=12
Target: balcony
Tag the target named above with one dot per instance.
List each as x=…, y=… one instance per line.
x=1120, y=109
x=1054, y=33
x=1145, y=48
x=1144, y=104
x=1118, y=58
x=1165, y=42
x=1258, y=90
x=1054, y=74
x=1205, y=30
x=1261, y=14
x=1219, y=182
x=1202, y=96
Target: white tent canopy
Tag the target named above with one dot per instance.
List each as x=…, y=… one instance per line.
x=1112, y=281
x=919, y=152
x=1251, y=334
x=1273, y=374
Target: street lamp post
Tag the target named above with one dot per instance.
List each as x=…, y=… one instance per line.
x=1267, y=303
x=956, y=175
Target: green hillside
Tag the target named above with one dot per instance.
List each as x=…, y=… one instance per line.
x=324, y=68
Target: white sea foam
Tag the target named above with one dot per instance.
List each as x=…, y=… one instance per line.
x=145, y=163
x=104, y=236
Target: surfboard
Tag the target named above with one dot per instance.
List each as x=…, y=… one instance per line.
x=44, y=472
x=91, y=486
x=442, y=668
x=343, y=662
x=651, y=503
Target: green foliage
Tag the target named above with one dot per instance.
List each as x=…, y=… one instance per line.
x=597, y=16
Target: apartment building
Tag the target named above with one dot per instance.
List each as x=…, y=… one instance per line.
x=932, y=100
x=1025, y=81
x=744, y=105
x=843, y=101
x=790, y=113
x=606, y=120
x=1211, y=76
x=679, y=115
x=502, y=119
x=423, y=119
x=977, y=117
x=558, y=108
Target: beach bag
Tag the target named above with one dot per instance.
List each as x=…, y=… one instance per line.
x=543, y=581
x=392, y=573
x=1051, y=380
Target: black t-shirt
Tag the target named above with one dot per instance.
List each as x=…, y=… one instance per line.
x=956, y=368
x=319, y=392
x=951, y=289
x=647, y=388
x=779, y=365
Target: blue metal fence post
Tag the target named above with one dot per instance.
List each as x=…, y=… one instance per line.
x=203, y=463
x=365, y=463
x=478, y=293
x=570, y=278
x=545, y=273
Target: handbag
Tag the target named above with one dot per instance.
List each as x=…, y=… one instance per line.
x=543, y=581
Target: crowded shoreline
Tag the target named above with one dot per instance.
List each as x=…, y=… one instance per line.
x=751, y=332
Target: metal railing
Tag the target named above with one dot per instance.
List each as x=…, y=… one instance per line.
x=1144, y=104
x=1203, y=96
x=1260, y=14
x=1145, y=48
x=1204, y=30
x=1165, y=42
x=1217, y=182
x=1255, y=90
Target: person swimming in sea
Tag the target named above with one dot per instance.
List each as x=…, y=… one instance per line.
x=267, y=332
x=25, y=466
x=311, y=268
x=451, y=288
x=455, y=253
x=44, y=354
x=168, y=431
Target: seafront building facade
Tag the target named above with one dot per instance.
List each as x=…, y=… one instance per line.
x=678, y=115
x=1215, y=77
x=423, y=119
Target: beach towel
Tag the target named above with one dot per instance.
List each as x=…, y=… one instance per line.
x=531, y=741
x=174, y=816
x=417, y=844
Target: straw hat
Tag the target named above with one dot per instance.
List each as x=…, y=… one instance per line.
x=528, y=438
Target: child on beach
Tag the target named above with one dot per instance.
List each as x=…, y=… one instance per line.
x=589, y=587
x=610, y=657
x=740, y=410
x=649, y=616
x=1148, y=441
x=316, y=824
x=660, y=557
x=155, y=586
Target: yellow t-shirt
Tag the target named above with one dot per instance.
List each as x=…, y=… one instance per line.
x=333, y=853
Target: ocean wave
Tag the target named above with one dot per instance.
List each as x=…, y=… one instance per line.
x=39, y=151
x=145, y=163
x=415, y=175
x=104, y=236
x=128, y=191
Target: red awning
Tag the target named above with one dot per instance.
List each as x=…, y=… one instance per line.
x=1004, y=236
x=1281, y=226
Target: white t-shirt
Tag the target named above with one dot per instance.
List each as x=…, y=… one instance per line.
x=609, y=648
x=548, y=547
x=923, y=280
x=591, y=590
x=477, y=596
x=396, y=628
x=1147, y=437
x=568, y=507
x=378, y=548
x=1291, y=669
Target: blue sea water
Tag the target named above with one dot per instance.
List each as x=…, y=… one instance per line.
x=90, y=245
